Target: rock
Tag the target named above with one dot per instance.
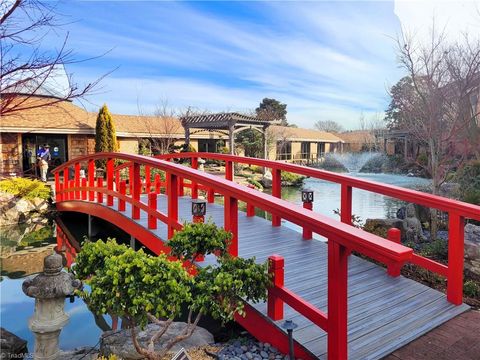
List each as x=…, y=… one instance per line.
x=266, y=183
x=14, y=210
x=83, y=353
x=249, y=355
x=472, y=248
x=12, y=347
x=244, y=348
x=120, y=342
x=263, y=354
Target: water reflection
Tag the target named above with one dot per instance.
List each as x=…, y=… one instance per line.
x=22, y=251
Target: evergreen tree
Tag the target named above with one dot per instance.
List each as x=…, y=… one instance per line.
x=272, y=109
x=105, y=136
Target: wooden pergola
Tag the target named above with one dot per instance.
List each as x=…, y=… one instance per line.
x=231, y=123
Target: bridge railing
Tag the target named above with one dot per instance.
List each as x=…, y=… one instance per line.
x=342, y=237
x=457, y=211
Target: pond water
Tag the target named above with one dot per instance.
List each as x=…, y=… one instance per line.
x=365, y=204
x=23, y=249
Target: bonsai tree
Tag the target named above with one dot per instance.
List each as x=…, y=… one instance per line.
x=153, y=289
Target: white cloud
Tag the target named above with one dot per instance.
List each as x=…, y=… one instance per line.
x=455, y=16
x=323, y=64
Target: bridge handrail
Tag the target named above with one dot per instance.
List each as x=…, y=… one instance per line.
x=438, y=202
x=357, y=239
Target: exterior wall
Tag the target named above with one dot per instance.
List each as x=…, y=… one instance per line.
x=11, y=150
x=272, y=152
x=80, y=145
x=313, y=149
x=296, y=149
x=128, y=145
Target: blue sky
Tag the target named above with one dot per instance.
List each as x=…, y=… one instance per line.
x=327, y=60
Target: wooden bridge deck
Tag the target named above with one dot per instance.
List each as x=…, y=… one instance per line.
x=384, y=313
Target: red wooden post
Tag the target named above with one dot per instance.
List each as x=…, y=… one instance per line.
x=100, y=186
x=130, y=179
x=337, y=301
x=60, y=194
x=66, y=179
x=77, y=180
x=110, y=165
x=152, y=204
x=277, y=192
x=57, y=187
x=84, y=191
x=250, y=207
x=456, y=235
x=198, y=219
x=228, y=170
x=117, y=180
x=231, y=222
x=307, y=233
x=274, y=304
x=157, y=183
x=181, y=187
x=136, y=187
x=123, y=191
x=172, y=183
x=91, y=179
x=194, y=183
x=148, y=179
x=394, y=235
x=210, y=195
x=346, y=206
x=71, y=194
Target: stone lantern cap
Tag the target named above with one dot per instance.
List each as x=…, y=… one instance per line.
x=53, y=282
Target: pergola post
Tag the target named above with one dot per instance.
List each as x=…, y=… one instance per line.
x=187, y=137
x=231, y=138
x=264, y=138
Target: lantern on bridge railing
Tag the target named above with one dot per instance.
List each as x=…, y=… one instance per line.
x=307, y=196
x=199, y=209
x=307, y=199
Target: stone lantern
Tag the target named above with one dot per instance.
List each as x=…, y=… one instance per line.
x=49, y=290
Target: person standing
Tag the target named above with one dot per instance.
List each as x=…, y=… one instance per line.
x=44, y=158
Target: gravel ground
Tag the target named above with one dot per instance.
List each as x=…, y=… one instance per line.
x=250, y=349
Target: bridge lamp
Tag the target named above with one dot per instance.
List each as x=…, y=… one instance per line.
x=199, y=209
x=307, y=199
x=307, y=196
x=289, y=325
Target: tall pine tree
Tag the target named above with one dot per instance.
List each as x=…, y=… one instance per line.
x=105, y=136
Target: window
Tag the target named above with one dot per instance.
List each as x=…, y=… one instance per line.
x=284, y=150
x=305, y=150
x=320, y=149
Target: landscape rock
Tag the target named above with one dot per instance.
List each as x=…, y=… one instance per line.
x=120, y=343
x=266, y=182
x=82, y=353
x=12, y=347
x=472, y=248
x=15, y=210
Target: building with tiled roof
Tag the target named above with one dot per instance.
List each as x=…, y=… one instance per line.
x=69, y=130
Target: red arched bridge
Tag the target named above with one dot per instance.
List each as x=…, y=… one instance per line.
x=345, y=306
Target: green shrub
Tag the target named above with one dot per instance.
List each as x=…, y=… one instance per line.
x=199, y=239
x=471, y=289
x=25, y=188
x=437, y=249
x=469, y=179
x=255, y=183
x=256, y=169
x=143, y=288
x=291, y=178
